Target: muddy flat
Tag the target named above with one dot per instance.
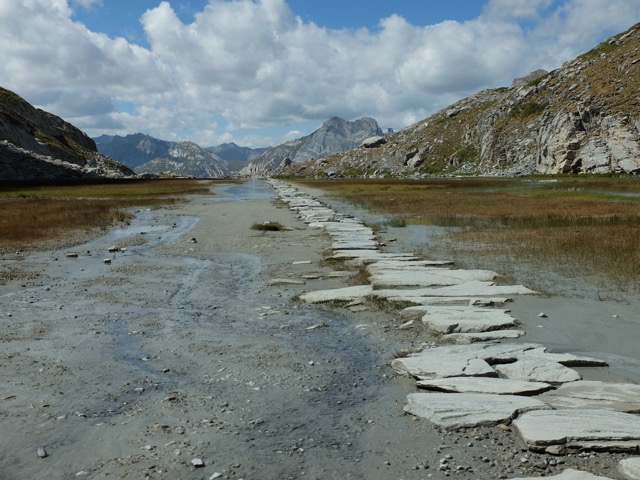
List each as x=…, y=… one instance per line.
x=165, y=350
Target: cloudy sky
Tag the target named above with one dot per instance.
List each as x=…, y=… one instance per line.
x=258, y=72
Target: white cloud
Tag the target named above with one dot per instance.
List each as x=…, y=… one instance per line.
x=250, y=65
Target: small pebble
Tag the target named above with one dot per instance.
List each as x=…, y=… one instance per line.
x=197, y=462
x=42, y=453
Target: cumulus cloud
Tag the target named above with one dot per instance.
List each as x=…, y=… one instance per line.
x=247, y=65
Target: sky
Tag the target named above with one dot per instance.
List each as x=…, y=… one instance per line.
x=260, y=72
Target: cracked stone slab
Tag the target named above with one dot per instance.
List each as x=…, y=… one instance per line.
x=467, y=320
x=403, y=264
x=569, y=474
x=579, y=429
x=466, y=338
x=622, y=397
x=538, y=369
x=630, y=468
x=459, y=360
x=451, y=410
x=497, y=386
x=337, y=294
x=370, y=256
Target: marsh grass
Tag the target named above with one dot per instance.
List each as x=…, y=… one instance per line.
x=31, y=213
x=576, y=226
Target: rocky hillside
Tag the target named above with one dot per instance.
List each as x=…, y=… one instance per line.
x=36, y=145
x=581, y=118
x=186, y=159
x=132, y=150
x=335, y=135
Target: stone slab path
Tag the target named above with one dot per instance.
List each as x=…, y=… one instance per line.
x=478, y=380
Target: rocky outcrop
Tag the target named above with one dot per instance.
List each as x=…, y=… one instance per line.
x=581, y=118
x=335, y=135
x=35, y=144
x=186, y=159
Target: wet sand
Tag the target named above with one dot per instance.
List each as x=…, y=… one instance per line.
x=180, y=349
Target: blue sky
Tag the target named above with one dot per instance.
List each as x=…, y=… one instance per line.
x=259, y=72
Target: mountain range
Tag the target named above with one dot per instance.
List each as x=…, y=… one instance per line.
x=581, y=118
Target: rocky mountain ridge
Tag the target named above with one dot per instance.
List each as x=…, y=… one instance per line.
x=582, y=118
x=37, y=145
x=186, y=159
x=335, y=135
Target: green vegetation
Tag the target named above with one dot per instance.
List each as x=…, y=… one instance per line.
x=586, y=227
x=31, y=213
x=528, y=109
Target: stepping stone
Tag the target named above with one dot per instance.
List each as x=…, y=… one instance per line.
x=538, y=369
x=466, y=338
x=630, y=468
x=450, y=410
x=285, y=282
x=622, y=397
x=459, y=360
x=579, y=429
x=402, y=264
x=568, y=359
x=337, y=294
x=569, y=474
x=467, y=320
x=426, y=277
x=369, y=255
x=498, y=386
x=428, y=302
x=468, y=289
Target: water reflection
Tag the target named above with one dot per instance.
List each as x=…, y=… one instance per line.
x=251, y=189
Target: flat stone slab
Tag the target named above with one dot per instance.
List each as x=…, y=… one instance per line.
x=630, y=468
x=427, y=302
x=468, y=320
x=568, y=359
x=622, y=397
x=466, y=338
x=497, y=386
x=285, y=282
x=425, y=277
x=538, y=369
x=370, y=256
x=403, y=264
x=337, y=294
x=579, y=429
x=459, y=360
x=451, y=410
x=467, y=289
x=569, y=474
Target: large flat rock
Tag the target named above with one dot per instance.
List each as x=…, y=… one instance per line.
x=452, y=410
x=466, y=338
x=422, y=304
x=425, y=277
x=459, y=360
x=467, y=320
x=622, y=397
x=370, y=256
x=337, y=294
x=467, y=289
x=538, y=369
x=579, y=429
x=569, y=474
x=568, y=359
x=630, y=468
x=498, y=386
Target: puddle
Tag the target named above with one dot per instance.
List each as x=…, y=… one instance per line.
x=253, y=189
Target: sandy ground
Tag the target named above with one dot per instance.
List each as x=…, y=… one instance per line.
x=180, y=350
